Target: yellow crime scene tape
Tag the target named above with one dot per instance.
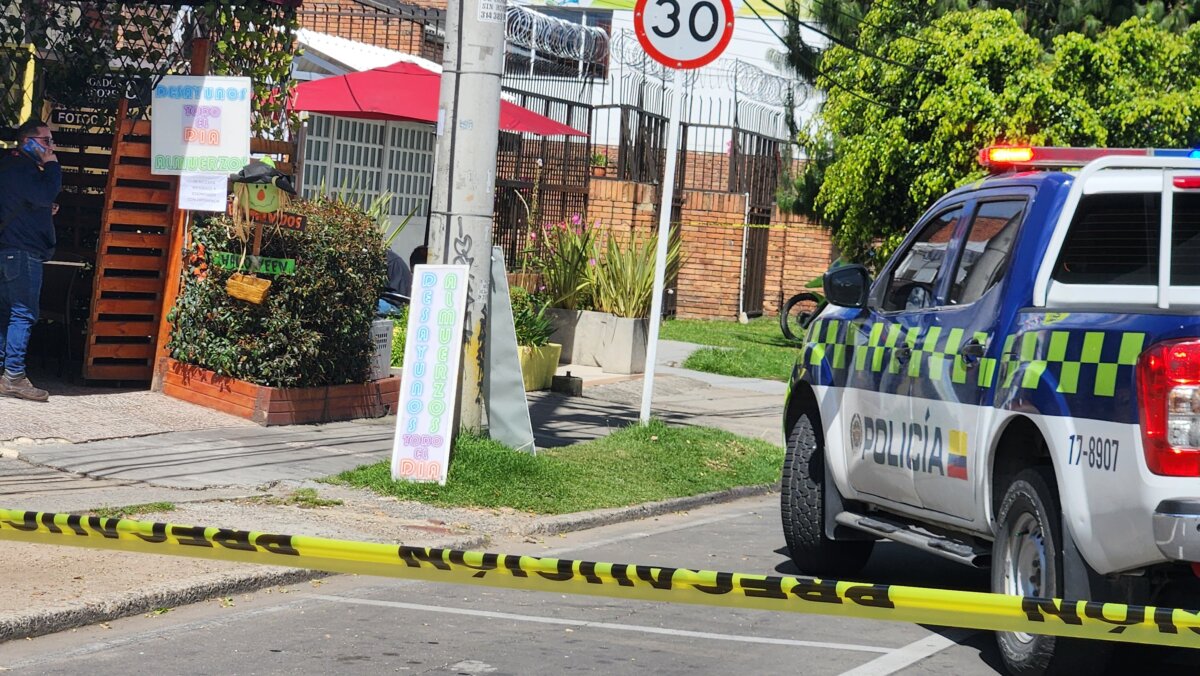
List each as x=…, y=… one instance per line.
x=975, y=610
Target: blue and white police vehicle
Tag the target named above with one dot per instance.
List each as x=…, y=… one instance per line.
x=1019, y=389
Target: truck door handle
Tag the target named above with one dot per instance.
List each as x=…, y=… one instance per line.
x=972, y=351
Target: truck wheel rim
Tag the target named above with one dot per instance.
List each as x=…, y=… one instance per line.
x=1025, y=563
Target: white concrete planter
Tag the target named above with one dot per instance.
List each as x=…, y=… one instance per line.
x=615, y=344
x=623, y=347
x=564, y=323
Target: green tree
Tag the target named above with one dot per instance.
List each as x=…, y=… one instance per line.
x=910, y=127
x=1043, y=19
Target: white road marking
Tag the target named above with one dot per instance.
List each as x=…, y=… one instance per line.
x=601, y=625
x=910, y=654
x=644, y=534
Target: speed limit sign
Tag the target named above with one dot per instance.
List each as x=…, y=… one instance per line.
x=683, y=34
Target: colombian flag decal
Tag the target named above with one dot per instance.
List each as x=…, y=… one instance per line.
x=957, y=465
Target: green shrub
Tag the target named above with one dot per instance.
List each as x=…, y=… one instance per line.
x=529, y=317
x=568, y=250
x=623, y=282
x=313, y=329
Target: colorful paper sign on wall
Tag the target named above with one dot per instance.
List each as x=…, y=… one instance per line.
x=203, y=192
x=429, y=386
x=200, y=125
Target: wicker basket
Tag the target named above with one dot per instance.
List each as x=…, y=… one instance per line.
x=247, y=288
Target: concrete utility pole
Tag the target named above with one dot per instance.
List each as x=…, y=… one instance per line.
x=460, y=229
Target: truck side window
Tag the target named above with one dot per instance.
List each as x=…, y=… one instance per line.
x=914, y=279
x=1185, y=240
x=1113, y=240
x=985, y=253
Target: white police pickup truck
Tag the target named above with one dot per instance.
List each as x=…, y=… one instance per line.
x=1019, y=389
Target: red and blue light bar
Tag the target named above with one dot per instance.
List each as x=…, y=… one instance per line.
x=1005, y=158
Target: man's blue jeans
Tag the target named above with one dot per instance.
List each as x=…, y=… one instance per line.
x=20, y=294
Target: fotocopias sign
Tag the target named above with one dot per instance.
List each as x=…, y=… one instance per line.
x=428, y=389
x=200, y=125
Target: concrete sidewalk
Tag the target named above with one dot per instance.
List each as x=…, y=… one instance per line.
x=240, y=476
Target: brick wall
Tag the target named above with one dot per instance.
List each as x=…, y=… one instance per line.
x=354, y=20
x=712, y=231
x=798, y=252
x=710, y=224
x=620, y=208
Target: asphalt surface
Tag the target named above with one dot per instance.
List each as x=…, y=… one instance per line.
x=349, y=624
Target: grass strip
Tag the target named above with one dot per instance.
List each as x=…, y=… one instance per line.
x=304, y=498
x=132, y=510
x=741, y=362
x=631, y=466
x=757, y=349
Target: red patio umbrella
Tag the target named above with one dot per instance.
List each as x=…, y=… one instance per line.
x=404, y=91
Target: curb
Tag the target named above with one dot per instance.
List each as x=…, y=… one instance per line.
x=567, y=523
x=116, y=606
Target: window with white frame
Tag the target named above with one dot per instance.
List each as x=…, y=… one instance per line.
x=409, y=173
x=365, y=158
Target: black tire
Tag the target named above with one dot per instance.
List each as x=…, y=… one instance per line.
x=797, y=314
x=1030, y=505
x=802, y=505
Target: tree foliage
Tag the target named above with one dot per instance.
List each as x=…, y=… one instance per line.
x=1043, y=19
x=911, y=126
x=77, y=41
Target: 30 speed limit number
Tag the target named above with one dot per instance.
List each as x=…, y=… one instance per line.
x=683, y=34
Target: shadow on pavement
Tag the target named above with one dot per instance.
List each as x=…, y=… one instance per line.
x=559, y=420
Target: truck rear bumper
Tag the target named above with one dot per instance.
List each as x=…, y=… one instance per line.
x=1177, y=529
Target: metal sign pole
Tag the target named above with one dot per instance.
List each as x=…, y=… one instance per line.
x=664, y=241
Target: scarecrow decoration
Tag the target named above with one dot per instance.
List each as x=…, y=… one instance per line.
x=261, y=193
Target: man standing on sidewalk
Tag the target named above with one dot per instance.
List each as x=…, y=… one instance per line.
x=30, y=179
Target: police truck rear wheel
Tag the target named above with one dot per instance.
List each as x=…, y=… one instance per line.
x=1027, y=560
x=803, y=508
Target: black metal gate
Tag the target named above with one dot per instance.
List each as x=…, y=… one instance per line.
x=540, y=178
x=754, y=266
x=754, y=170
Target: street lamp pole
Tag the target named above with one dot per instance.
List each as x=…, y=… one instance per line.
x=460, y=230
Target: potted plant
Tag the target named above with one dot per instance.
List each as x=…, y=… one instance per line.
x=526, y=276
x=568, y=249
x=622, y=288
x=599, y=164
x=539, y=357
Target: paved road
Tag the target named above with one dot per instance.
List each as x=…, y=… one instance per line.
x=369, y=625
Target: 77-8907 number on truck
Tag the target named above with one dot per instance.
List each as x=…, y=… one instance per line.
x=1100, y=453
x=1031, y=357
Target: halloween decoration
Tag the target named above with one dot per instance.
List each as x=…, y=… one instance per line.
x=258, y=187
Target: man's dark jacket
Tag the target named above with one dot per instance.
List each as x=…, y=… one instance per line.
x=26, y=194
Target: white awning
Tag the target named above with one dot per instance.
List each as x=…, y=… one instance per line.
x=324, y=55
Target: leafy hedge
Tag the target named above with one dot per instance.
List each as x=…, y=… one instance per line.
x=314, y=327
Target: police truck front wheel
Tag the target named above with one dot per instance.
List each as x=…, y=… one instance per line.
x=1027, y=560
x=803, y=508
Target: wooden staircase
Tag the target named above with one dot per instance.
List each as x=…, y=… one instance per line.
x=131, y=261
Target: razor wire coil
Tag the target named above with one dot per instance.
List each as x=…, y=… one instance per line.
x=557, y=37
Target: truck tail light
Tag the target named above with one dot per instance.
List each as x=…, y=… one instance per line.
x=1168, y=376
